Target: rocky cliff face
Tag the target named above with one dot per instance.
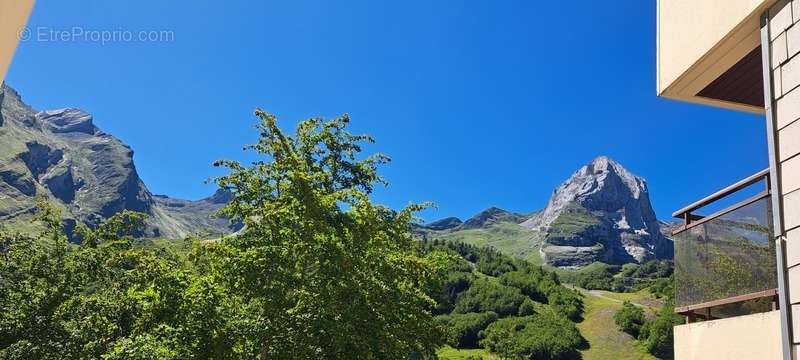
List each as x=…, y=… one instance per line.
x=601, y=213
x=62, y=155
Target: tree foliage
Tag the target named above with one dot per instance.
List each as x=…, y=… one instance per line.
x=627, y=278
x=486, y=295
x=318, y=271
x=657, y=334
x=321, y=268
x=105, y=298
x=465, y=330
x=630, y=318
x=545, y=336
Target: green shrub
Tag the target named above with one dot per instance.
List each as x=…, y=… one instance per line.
x=656, y=335
x=663, y=288
x=527, y=281
x=566, y=302
x=545, y=336
x=465, y=330
x=495, y=264
x=446, y=291
x=651, y=269
x=630, y=319
x=527, y=308
x=486, y=295
x=626, y=278
x=597, y=277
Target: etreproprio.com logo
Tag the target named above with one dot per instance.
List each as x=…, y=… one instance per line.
x=81, y=34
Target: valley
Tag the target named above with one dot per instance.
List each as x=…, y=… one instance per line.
x=545, y=284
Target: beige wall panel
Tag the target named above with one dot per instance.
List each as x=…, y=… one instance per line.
x=787, y=108
x=794, y=285
x=791, y=212
x=688, y=30
x=13, y=16
x=790, y=175
x=739, y=338
x=793, y=41
x=779, y=50
x=793, y=248
x=789, y=140
x=777, y=87
x=796, y=10
x=790, y=75
x=780, y=18
x=796, y=322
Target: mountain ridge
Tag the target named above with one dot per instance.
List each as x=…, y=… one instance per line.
x=90, y=175
x=601, y=213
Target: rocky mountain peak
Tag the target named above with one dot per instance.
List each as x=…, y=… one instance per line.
x=220, y=197
x=62, y=155
x=68, y=120
x=601, y=213
x=602, y=184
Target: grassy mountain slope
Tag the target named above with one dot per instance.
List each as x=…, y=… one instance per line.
x=507, y=238
x=605, y=340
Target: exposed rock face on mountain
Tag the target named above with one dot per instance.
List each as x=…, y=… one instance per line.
x=444, y=224
x=490, y=216
x=601, y=213
x=62, y=155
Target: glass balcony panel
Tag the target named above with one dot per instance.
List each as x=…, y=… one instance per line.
x=726, y=257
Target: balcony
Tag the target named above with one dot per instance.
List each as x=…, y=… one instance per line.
x=725, y=264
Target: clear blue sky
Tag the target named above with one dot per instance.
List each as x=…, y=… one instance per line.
x=478, y=103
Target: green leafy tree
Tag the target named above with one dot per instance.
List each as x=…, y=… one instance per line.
x=465, y=330
x=663, y=288
x=321, y=270
x=446, y=290
x=545, y=336
x=487, y=295
x=104, y=298
x=527, y=308
x=528, y=281
x=657, y=334
x=630, y=318
x=566, y=302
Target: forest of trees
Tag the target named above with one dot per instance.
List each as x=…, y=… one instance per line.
x=508, y=306
x=625, y=278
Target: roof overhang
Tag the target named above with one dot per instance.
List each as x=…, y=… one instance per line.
x=702, y=44
x=13, y=17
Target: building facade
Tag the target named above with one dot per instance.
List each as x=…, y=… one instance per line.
x=13, y=17
x=738, y=252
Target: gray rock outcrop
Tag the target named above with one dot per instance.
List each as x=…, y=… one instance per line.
x=601, y=213
x=62, y=155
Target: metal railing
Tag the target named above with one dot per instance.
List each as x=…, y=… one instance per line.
x=725, y=262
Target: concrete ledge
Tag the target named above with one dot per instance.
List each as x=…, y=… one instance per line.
x=749, y=337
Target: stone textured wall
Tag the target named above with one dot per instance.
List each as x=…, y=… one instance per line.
x=785, y=59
